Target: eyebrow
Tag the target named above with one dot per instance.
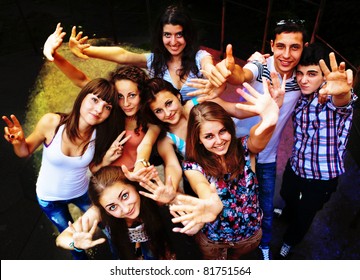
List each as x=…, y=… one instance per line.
x=114, y=203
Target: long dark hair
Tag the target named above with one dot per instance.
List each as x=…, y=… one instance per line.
x=139, y=77
x=196, y=152
x=103, y=89
x=149, y=214
x=175, y=15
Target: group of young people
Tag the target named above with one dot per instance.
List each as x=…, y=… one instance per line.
x=224, y=207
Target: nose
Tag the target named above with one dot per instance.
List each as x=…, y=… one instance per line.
x=173, y=40
x=286, y=52
x=126, y=101
x=217, y=139
x=304, y=79
x=99, y=109
x=167, y=112
x=124, y=208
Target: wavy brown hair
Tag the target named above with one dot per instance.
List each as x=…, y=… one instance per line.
x=196, y=152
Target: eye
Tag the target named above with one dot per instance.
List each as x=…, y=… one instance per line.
x=223, y=131
x=179, y=35
x=295, y=47
x=120, y=96
x=108, y=107
x=132, y=95
x=168, y=103
x=95, y=99
x=157, y=111
x=166, y=35
x=125, y=196
x=209, y=136
x=112, y=207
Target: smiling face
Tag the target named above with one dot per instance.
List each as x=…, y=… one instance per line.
x=167, y=107
x=121, y=201
x=287, y=49
x=173, y=39
x=94, y=110
x=215, y=137
x=309, y=78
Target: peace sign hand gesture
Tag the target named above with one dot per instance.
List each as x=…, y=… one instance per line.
x=14, y=133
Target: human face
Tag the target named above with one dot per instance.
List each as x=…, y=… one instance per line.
x=129, y=96
x=173, y=39
x=309, y=78
x=287, y=49
x=167, y=107
x=94, y=110
x=121, y=201
x=215, y=138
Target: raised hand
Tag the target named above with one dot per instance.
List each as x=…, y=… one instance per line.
x=116, y=149
x=77, y=43
x=53, y=42
x=158, y=191
x=13, y=132
x=338, y=80
x=276, y=90
x=83, y=234
x=227, y=65
x=191, y=211
x=261, y=104
x=206, y=90
x=146, y=173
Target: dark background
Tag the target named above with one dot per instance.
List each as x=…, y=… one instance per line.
x=24, y=26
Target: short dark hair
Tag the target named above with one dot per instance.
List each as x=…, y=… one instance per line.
x=312, y=54
x=289, y=26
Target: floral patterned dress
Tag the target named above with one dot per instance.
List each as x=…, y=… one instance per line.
x=241, y=215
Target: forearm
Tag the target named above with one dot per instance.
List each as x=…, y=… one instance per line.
x=176, y=175
x=74, y=74
x=259, y=142
x=237, y=76
x=21, y=149
x=116, y=54
x=64, y=240
x=231, y=109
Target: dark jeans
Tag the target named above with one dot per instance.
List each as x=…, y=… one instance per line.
x=303, y=199
x=59, y=214
x=266, y=175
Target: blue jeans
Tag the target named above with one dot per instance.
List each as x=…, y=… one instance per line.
x=266, y=174
x=59, y=214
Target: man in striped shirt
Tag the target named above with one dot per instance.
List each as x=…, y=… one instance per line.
x=322, y=120
x=287, y=42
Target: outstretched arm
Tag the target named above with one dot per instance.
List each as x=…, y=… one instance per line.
x=79, y=47
x=14, y=133
x=193, y=211
x=268, y=110
x=51, y=45
x=80, y=234
x=233, y=72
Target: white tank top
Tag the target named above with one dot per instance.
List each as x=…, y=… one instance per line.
x=62, y=177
